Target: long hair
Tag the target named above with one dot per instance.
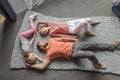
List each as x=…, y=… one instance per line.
x=26, y=58
x=39, y=29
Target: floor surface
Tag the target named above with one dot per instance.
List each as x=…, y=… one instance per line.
x=57, y=8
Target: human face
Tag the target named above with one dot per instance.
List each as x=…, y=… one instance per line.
x=44, y=31
x=31, y=58
x=42, y=45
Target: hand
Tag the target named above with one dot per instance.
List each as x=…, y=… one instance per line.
x=39, y=58
x=77, y=40
x=28, y=65
x=35, y=55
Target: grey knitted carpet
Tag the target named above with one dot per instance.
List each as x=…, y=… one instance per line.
x=107, y=31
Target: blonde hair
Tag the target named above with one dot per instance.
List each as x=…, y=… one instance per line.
x=41, y=26
x=26, y=58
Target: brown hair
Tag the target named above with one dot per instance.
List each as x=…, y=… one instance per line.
x=38, y=45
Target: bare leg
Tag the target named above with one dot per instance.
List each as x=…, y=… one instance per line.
x=92, y=22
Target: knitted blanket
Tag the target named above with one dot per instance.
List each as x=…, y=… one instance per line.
x=107, y=31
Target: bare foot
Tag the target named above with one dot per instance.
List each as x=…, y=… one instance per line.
x=95, y=22
x=33, y=16
x=117, y=43
x=100, y=66
x=89, y=34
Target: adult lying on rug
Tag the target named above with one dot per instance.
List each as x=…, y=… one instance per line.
x=25, y=44
x=68, y=48
x=66, y=29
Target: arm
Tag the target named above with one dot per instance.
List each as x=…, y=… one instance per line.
x=32, y=25
x=41, y=66
x=41, y=22
x=39, y=58
x=68, y=39
x=33, y=38
x=63, y=35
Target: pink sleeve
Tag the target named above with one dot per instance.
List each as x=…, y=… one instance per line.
x=32, y=24
x=41, y=22
x=26, y=34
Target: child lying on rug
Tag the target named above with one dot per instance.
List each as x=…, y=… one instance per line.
x=68, y=48
x=66, y=29
x=25, y=44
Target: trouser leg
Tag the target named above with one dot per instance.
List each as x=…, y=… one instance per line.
x=85, y=54
x=88, y=46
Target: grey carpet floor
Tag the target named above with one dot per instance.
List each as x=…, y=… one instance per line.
x=107, y=32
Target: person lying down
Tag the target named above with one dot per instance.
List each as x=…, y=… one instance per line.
x=69, y=48
x=26, y=44
x=66, y=28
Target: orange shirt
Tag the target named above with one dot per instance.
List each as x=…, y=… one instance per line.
x=57, y=49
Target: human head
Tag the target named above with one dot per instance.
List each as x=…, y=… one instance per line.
x=42, y=45
x=43, y=29
x=30, y=58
